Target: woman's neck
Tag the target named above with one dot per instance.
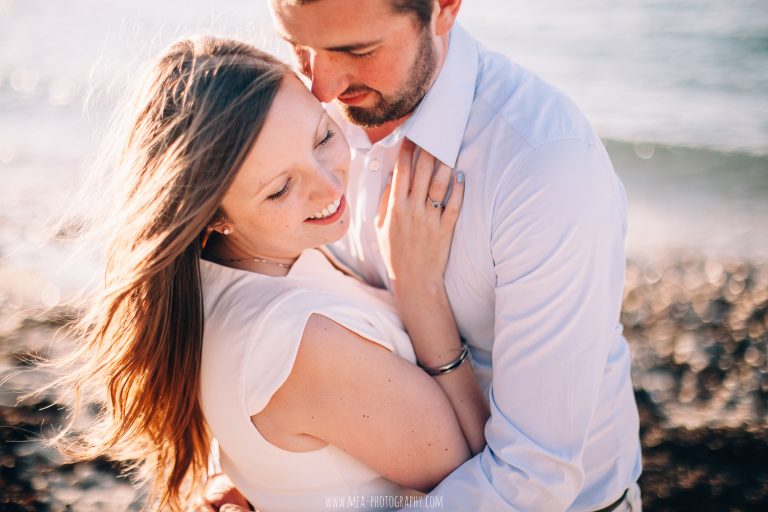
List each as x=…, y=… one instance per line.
x=220, y=252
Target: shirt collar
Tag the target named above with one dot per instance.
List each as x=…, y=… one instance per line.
x=439, y=122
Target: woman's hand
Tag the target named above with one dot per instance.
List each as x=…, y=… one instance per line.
x=415, y=231
x=416, y=221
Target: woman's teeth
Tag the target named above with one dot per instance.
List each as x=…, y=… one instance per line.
x=328, y=210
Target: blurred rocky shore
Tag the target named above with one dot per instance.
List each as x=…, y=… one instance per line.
x=697, y=328
x=698, y=333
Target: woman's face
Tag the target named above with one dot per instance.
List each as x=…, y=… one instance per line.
x=289, y=194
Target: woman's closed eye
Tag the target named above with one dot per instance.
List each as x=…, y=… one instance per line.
x=281, y=193
x=328, y=136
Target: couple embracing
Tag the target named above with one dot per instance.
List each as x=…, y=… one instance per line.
x=415, y=289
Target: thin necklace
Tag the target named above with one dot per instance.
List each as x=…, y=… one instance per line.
x=262, y=260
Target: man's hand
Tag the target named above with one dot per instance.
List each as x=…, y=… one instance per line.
x=221, y=495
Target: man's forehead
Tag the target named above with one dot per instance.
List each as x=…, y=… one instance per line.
x=333, y=24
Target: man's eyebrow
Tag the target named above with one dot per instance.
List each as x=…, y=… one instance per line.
x=353, y=47
x=341, y=48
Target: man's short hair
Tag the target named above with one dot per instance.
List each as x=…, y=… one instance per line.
x=422, y=9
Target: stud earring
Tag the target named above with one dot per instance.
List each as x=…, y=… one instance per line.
x=226, y=231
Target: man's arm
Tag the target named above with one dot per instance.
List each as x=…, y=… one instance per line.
x=558, y=249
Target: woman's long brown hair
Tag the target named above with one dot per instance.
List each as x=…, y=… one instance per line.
x=141, y=339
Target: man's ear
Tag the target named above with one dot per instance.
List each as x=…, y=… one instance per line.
x=446, y=11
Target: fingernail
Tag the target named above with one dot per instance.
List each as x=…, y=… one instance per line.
x=460, y=177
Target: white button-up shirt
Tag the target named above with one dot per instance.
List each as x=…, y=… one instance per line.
x=535, y=279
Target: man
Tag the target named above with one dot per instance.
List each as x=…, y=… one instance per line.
x=536, y=269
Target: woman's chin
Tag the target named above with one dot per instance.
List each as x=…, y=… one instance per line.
x=340, y=229
x=336, y=231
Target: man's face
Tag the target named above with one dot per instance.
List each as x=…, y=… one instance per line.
x=377, y=63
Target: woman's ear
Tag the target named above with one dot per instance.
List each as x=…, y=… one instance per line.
x=221, y=224
x=447, y=10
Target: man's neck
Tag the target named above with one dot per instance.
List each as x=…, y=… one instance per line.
x=380, y=132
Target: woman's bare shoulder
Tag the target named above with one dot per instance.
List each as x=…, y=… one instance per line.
x=353, y=393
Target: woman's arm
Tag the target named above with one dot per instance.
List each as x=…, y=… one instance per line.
x=415, y=237
x=358, y=396
x=436, y=342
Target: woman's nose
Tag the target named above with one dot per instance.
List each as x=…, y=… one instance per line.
x=326, y=185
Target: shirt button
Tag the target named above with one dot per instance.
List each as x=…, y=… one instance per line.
x=374, y=165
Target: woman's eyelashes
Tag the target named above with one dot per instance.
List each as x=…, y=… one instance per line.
x=281, y=192
x=328, y=136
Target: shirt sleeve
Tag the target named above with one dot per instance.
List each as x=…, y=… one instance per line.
x=557, y=242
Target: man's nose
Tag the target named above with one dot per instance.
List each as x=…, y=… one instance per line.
x=328, y=76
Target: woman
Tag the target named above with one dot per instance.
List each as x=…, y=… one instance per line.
x=220, y=318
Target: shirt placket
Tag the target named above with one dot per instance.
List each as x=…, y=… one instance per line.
x=378, y=168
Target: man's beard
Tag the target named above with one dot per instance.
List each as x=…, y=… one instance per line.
x=405, y=100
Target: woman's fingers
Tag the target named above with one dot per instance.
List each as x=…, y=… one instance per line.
x=454, y=202
x=438, y=187
x=401, y=178
x=422, y=175
x=425, y=185
x=386, y=199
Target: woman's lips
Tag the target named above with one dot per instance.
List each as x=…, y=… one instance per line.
x=333, y=218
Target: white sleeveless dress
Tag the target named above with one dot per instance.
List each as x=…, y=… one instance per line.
x=253, y=327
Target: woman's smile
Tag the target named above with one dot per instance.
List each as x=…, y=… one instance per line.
x=330, y=213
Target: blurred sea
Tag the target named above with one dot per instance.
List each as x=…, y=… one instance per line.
x=678, y=89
